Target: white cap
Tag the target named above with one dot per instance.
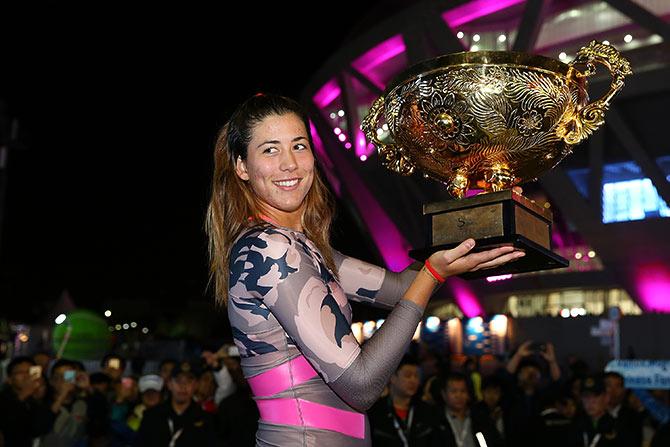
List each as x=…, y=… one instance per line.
x=150, y=382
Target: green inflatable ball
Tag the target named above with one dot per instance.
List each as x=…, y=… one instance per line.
x=88, y=338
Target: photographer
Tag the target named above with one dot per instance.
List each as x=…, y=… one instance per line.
x=22, y=417
x=526, y=384
x=67, y=405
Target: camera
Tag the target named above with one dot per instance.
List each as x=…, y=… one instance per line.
x=69, y=375
x=35, y=371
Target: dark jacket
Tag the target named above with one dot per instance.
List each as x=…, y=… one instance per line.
x=160, y=424
x=447, y=438
x=21, y=421
x=387, y=428
x=628, y=425
x=552, y=429
x=237, y=419
x=604, y=429
x=662, y=436
x=481, y=412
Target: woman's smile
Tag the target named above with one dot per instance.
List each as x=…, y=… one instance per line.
x=288, y=184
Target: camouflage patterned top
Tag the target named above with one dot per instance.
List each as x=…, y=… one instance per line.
x=284, y=302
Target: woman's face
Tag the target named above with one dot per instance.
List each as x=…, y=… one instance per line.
x=279, y=165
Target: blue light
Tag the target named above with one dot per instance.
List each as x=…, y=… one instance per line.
x=432, y=324
x=475, y=324
x=626, y=193
x=632, y=200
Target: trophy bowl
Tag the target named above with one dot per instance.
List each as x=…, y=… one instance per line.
x=490, y=120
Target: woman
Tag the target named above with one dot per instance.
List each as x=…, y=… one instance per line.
x=287, y=289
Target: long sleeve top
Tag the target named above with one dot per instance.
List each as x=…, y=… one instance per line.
x=284, y=302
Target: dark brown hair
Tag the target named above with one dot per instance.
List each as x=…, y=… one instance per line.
x=234, y=207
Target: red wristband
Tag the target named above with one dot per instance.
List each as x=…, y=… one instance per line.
x=433, y=272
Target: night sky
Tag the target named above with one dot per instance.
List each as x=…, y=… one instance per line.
x=118, y=109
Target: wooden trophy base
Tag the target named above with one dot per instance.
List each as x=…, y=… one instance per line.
x=493, y=220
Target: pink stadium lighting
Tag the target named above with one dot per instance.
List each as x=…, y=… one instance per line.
x=465, y=297
x=475, y=9
x=388, y=239
x=327, y=94
x=361, y=144
x=378, y=55
x=347, y=145
x=325, y=161
x=653, y=287
x=337, y=131
x=342, y=137
x=557, y=239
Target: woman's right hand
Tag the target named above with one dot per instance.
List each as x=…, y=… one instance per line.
x=459, y=259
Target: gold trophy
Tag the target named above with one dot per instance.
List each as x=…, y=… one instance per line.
x=491, y=120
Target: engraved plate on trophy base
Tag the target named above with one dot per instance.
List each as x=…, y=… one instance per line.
x=493, y=220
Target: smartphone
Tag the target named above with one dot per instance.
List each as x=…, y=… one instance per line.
x=233, y=351
x=35, y=371
x=114, y=363
x=538, y=347
x=69, y=375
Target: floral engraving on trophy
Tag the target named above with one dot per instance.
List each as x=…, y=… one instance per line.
x=529, y=123
x=491, y=120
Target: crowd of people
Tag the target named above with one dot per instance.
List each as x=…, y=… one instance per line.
x=56, y=402
x=430, y=400
x=528, y=401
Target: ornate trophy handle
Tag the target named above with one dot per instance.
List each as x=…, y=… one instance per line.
x=391, y=155
x=591, y=116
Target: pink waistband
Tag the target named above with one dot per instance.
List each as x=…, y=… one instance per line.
x=282, y=377
x=303, y=413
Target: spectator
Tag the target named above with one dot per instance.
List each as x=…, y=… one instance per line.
x=204, y=393
x=223, y=381
x=429, y=391
x=69, y=427
x=165, y=370
x=652, y=405
x=471, y=369
x=399, y=419
x=458, y=427
x=98, y=425
x=113, y=366
x=43, y=359
x=567, y=406
x=22, y=417
x=596, y=427
x=490, y=408
x=101, y=383
x=150, y=387
x=551, y=427
x=628, y=422
x=126, y=397
x=525, y=386
x=179, y=421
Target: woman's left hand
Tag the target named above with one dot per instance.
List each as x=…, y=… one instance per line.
x=459, y=259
